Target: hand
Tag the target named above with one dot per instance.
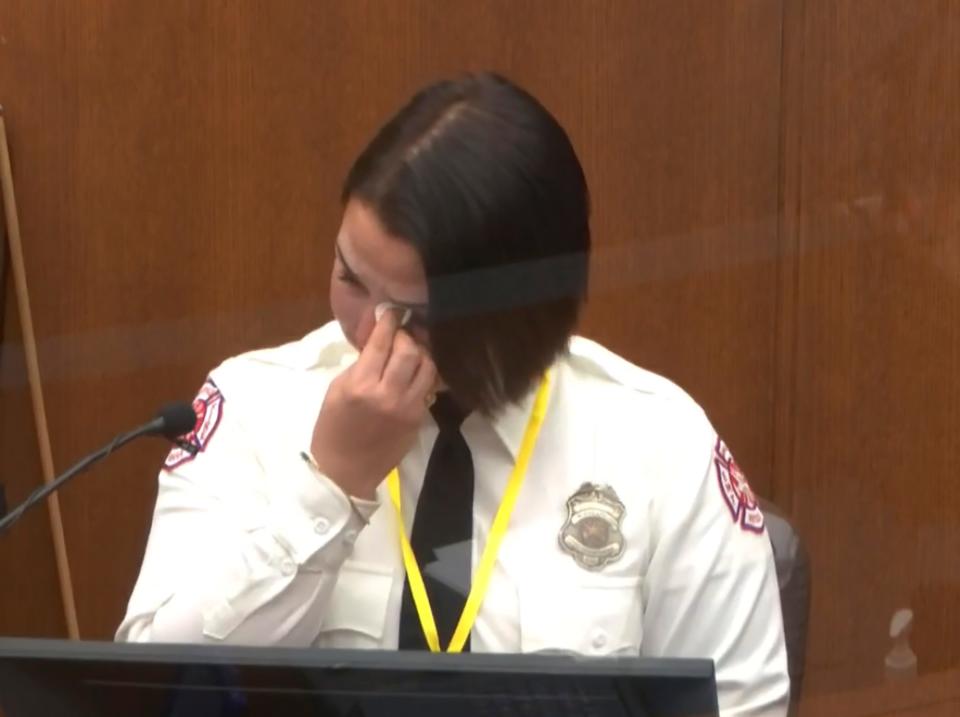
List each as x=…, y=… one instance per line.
x=373, y=410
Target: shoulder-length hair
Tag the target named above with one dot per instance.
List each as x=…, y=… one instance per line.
x=485, y=184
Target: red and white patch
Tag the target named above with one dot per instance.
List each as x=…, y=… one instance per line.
x=736, y=491
x=208, y=405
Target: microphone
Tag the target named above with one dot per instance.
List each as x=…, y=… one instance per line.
x=170, y=422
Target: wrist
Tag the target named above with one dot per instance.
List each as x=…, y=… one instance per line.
x=349, y=481
x=351, y=498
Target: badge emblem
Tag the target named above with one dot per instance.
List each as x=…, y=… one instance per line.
x=591, y=534
x=208, y=405
x=740, y=499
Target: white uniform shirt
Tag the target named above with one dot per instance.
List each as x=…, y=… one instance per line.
x=250, y=545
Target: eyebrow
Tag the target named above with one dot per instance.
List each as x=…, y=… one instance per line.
x=353, y=274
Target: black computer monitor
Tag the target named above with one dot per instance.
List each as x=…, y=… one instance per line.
x=55, y=678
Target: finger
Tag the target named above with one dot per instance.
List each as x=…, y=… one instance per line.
x=424, y=383
x=404, y=361
x=376, y=352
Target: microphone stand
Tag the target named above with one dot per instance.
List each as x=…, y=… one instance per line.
x=48, y=488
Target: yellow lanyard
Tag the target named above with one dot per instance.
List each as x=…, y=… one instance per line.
x=482, y=576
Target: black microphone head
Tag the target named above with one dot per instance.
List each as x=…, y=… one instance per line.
x=177, y=419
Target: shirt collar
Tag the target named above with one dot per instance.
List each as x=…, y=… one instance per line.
x=510, y=424
x=329, y=348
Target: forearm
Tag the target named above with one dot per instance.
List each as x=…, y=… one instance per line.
x=250, y=597
x=242, y=574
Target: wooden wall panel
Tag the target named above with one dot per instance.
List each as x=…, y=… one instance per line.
x=180, y=164
x=777, y=205
x=878, y=331
x=30, y=600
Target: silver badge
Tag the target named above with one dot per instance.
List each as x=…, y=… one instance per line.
x=591, y=533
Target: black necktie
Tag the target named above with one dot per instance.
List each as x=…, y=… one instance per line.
x=442, y=535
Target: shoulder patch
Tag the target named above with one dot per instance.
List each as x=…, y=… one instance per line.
x=208, y=405
x=735, y=490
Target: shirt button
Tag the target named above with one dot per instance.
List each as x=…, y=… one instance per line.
x=287, y=566
x=599, y=639
x=321, y=526
x=350, y=537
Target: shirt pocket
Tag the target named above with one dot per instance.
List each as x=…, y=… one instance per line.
x=590, y=617
x=356, y=614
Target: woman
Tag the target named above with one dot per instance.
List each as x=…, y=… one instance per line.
x=552, y=496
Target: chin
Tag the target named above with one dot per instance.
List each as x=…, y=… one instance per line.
x=350, y=337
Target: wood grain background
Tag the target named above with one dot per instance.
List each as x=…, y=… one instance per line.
x=777, y=202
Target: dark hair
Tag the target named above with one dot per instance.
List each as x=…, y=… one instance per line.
x=484, y=183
